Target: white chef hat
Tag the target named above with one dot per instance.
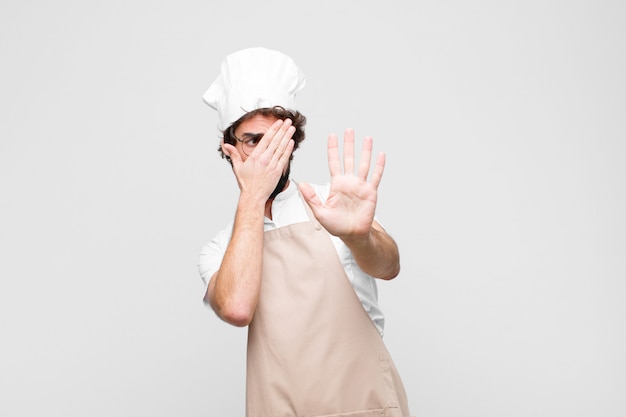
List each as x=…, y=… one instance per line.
x=251, y=79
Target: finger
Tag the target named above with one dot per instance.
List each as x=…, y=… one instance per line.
x=235, y=157
x=286, y=154
x=334, y=166
x=377, y=173
x=285, y=142
x=310, y=196
x=279, y=140
x=266, y=140
x=229, y=150
x=348, y=152
x=366, y=156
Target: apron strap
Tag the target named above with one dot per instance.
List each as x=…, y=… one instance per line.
x=309, y=212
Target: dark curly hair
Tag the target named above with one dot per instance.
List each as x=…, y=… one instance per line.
x=298, y=121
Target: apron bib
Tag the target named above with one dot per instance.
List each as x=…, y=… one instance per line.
x=312, y=349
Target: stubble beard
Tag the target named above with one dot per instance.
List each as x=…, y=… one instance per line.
x=282, y=182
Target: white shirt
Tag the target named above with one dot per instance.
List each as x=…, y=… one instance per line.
x=288, y=208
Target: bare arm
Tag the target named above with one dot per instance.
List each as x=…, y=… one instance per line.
x=376, y=254
x=348, y=213
x=233, y=291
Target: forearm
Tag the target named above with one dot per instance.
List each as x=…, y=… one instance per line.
x=233, y=291
x=376, y=253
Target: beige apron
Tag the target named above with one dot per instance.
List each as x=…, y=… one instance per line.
x=312, y=349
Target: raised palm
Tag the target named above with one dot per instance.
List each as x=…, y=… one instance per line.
x=349, y=209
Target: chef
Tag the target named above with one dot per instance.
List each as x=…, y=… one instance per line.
x=298, y=264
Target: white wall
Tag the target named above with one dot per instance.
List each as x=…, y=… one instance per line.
x=504, y=127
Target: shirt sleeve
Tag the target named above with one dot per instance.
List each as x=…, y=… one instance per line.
x=211, y=256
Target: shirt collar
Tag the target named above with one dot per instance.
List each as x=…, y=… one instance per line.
x=292, y=188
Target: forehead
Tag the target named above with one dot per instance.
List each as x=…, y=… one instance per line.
x=256, y=124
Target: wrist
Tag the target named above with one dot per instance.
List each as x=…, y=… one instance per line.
x=251, y=200
x=358, y=242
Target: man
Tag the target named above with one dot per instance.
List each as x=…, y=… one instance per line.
x=299, y=262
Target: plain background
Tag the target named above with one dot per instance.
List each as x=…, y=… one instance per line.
x=505, y=133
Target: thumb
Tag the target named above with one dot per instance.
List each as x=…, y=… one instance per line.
x=310, y=196
x=232, y=152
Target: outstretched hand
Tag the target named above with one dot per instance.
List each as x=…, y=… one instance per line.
x=349, y=210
